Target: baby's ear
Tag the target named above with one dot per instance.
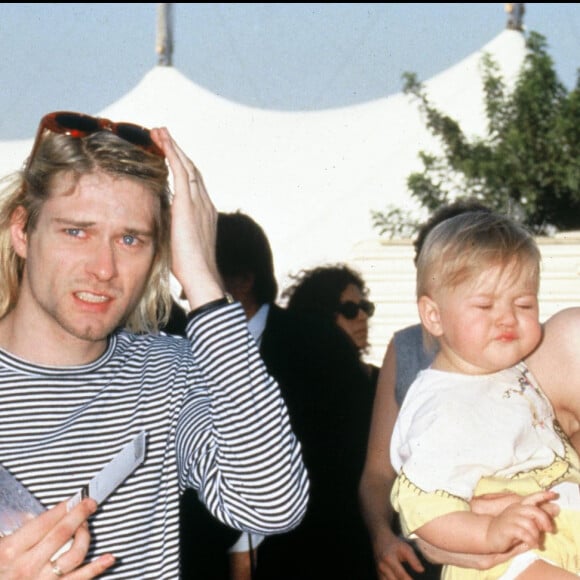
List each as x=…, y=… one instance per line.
x=429, y=313
x=18, y=236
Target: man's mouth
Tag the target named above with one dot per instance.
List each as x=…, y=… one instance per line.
x=90, y=297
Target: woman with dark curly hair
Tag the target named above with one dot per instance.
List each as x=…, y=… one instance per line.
x=337, y=294
x=330, y=407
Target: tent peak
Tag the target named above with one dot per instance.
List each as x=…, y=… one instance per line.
x=164, y=34
x=515, y=11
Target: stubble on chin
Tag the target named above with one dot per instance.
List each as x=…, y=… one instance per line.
x=94, y=331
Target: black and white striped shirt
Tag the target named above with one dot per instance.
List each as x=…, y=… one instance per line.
x=215, y=421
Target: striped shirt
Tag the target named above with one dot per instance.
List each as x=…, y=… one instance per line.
x=214, y=419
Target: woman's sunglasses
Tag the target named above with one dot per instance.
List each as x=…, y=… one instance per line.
x=80, y=125
x=349, y=309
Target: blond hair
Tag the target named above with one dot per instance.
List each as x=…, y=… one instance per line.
x=102, y=151
x=461, y=247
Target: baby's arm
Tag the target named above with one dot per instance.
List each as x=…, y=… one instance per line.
x=472, y=533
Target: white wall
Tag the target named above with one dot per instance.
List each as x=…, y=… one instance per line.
x=388, y=269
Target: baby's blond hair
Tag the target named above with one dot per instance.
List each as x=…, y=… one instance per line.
x=461, y=247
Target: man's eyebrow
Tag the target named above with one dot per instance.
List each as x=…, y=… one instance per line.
x=86, y=224
x=72, y=221
x=138, y=232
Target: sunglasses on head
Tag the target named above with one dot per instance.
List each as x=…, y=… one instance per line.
x=349, y=309
x=80, y=125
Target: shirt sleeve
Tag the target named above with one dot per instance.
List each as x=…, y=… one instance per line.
x=234, y=441
x=417, y=507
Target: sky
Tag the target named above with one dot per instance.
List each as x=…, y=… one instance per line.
x=283, y=56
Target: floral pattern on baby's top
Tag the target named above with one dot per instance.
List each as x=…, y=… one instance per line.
x=540, y=407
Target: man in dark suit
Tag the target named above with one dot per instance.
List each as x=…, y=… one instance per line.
x=245, y=263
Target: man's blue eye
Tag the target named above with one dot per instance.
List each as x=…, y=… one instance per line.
x=129, y=240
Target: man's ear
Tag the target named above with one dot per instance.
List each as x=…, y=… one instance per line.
x=18, y=235
x=430, y=316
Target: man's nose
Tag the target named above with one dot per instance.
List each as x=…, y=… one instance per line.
x=103, y=263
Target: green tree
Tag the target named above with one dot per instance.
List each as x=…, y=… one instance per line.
x=528, y=165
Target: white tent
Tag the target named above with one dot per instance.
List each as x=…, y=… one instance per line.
x=310, y=179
